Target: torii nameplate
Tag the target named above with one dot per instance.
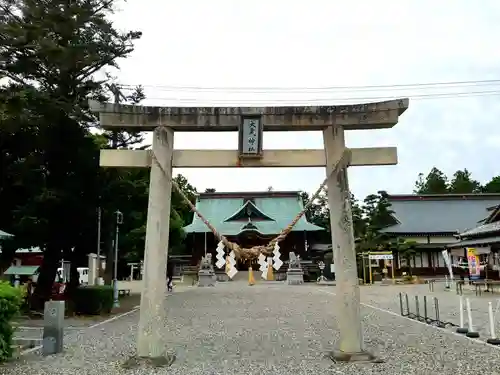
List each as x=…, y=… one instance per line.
x=250, y=136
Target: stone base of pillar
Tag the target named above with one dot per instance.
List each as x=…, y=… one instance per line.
x=155, y=362
x=206, y=278
x=361, y=357
x=295, y=276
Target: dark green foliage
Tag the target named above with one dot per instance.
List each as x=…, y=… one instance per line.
x=10, y=302
x=318, y=213
x=436, y=182
x=52, y=184
x=93, y=300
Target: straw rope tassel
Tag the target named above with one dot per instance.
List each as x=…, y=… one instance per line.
x=251, y=279
x=228, y=265
x=270, y=273
x=254, y=252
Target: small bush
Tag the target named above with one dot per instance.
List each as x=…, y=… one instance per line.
x=93, y=300
x=408, y=279
x=11, y=300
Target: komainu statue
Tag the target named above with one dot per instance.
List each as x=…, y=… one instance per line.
x=206, y=273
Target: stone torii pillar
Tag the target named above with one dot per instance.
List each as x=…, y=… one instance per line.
x=153, y=309
x=332, y=120
x=344, y=253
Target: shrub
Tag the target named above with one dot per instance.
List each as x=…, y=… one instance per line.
x=93, y=300
x=408, y=279
x=11, y=300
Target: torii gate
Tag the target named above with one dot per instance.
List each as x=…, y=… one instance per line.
x=332, y=120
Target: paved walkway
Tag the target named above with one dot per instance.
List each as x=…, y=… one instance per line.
x=267, y=329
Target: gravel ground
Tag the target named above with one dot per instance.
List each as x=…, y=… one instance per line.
x=449, y=305
x=269, y=329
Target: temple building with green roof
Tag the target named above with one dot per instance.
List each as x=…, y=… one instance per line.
x=250, y=219
x=445, y=221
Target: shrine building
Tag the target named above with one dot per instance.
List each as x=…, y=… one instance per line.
x=250, y=219
x=438, y=222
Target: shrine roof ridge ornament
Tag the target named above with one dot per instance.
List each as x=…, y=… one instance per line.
x=375, y=115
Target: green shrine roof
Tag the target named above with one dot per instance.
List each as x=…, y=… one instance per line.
x=22, y=270
x=263, y=212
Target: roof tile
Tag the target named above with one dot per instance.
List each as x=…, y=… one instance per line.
x=282, y=209
x=438, y=216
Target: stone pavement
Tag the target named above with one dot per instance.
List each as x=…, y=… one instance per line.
x=268, y=329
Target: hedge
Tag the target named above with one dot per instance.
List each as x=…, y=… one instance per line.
x=93, y=300
x=11, y=300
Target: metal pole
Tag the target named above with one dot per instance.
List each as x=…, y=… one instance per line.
x=119, y=220
x=98, y=273
x=401, y=303
x=370, y=269
x=205, y=244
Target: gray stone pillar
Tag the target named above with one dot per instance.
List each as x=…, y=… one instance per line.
x=348, y=295
x=150, y=342
x=53, y=327
x=93, y=268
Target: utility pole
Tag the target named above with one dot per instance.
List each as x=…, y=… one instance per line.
x=99, y=262
x=119, y=221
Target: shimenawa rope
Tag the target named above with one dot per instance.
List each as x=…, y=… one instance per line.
x=255, y=251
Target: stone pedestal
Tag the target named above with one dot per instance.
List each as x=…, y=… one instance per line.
x=295, y=276
x=206, y=277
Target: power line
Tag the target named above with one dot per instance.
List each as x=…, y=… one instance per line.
x=429, y=85
x=337, y=99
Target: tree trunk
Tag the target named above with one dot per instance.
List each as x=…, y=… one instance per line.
x=48, y=270
x=73, y=284
x=7, y=255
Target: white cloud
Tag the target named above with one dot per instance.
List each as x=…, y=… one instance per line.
x=328, y=43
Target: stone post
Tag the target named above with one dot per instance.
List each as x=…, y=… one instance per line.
x=348, y=296
x=150, y=342
x=53, y=327
x=93, y=270
x=132, y=268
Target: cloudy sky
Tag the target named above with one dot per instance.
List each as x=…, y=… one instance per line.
x=263, y=45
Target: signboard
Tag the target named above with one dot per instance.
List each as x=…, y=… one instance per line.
x=474, y=264
x=250, y=137
x=380, y=256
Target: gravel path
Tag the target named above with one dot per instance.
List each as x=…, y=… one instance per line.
x=269, y=329
x=387, y=298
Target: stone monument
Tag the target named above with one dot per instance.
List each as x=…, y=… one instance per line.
x=206, y=273
x=53, y=327
x=294, y=274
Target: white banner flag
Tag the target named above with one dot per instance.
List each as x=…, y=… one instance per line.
x=447, y=261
